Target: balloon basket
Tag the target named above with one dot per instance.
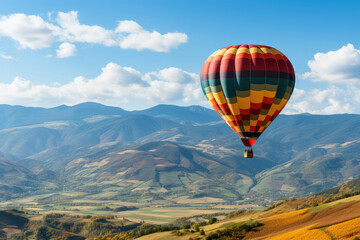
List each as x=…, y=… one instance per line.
x=248, y=153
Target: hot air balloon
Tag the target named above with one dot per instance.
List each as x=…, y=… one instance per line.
x=248, y=86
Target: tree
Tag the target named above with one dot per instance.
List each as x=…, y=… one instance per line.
x=196, y=227
x=202, y=232
x=186, y=226
x=211, y=221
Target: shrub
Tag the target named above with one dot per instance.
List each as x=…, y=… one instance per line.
x=196, y=227
x=212, y=236
x=181, y=222
x=211, y=221
x=186, y=226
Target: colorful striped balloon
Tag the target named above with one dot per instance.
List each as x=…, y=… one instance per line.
x=248, y=86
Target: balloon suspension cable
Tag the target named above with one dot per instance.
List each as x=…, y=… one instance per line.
x=248, y=149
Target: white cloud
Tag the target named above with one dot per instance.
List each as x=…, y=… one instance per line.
x=31, y=31
x=4, y=56
x=173, y=84
x=133, y=36
x=340, y=69
x=113, y=74
x=115, y=85
x=73, y=31
x=175, y=75
x=128, y=26
x=66, y=50
x=328, y=101
x=336, y=67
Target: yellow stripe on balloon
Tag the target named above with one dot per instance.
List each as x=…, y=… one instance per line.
x=219, y=97
x=244, y=103
x=253, y=122
x=272, y=51
x=272, y=109
x=262, y=117
x=230, y=51
x=243, y=50
x=209, y=96
x=256, y=96
x=234, y=108
x=230, y=117
x=256, y=50
x=275, y=52
x=220, y=52
x=266, y=50
x=282, y=104
x=269, y=94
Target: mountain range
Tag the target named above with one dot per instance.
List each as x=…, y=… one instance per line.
x=170, y=154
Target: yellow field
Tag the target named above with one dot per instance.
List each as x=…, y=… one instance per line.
x=346, y=230
x=301, y=234
x=327, y=223
x=279, y=222
x=168, y=236
x=286, y=219
x=338, y=220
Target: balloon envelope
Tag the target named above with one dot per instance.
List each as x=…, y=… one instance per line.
x=248, y=86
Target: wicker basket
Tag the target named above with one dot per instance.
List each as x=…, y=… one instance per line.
x=248, y=154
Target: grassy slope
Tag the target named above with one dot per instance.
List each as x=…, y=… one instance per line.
x=326, y=221
x=16, y=224
x=335, y=220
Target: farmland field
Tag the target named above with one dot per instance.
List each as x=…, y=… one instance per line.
x=338, y=220
x=346, y=230
x=75, y=203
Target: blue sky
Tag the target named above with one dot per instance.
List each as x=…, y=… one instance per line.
x=136, y=54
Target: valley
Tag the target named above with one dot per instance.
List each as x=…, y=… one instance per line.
x=331, y=214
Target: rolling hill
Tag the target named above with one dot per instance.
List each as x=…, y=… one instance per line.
x=333, y=220
x=17, y=181
x=336, y=219
x=173, y=154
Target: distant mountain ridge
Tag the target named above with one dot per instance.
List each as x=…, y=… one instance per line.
x=172, y=153
x=15, y=116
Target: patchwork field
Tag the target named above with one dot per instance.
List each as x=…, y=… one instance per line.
x=166, y=214
x=335, y=220
x=75, y=203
